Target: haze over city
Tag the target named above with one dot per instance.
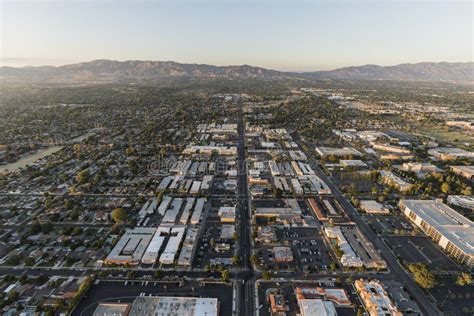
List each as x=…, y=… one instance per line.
x=281, y=35
x=236, y=158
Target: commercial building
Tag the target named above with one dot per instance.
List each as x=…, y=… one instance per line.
x=450, y=230
x=165, y=183
x=312, y=184
x=209, y=150
x=277, y=304
x=393, y=156
x=390, y=148
x=316, y=307
x=464, y=171
x=196, y=187
x=349, y=257
x=227, y=214
x=364, y=248
x=187, y=210
x=317, y=211
x=392, y=179
x=266, y=234
x=206, y=182
x=337, y=296
x=131, y=246
x=420, y=167
x=375, y=298
x=282, y=254
x=352, y=163
x=315, y=301
x=227, y=232
x=373, y=207
x=112, y=309
x=337, y=152
x=450, y=153
x=188, y=249
x=357, y=250
x=154, y=247
x=166, y=305
x=275, y=171
x=165, y=203
x=172, y=247
x=172, y=213
x=464, y=201
x=297, y=155
x=297, y=189
x=198, y=208
x=461, y=124
x=281, y=183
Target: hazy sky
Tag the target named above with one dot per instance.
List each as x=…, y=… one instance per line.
x=286, y=35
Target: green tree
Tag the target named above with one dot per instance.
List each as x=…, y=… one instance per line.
x=467, y=191
x=119, y=215
x=29, y=261
x=422, y=275
x=235, y=260
x=68, y=204
x=266, y=275
x=445, y=188
x=35, y=227
x=464, y=278
x=254, y=259
x=159, y=197
x=225, y=275
x=277, y=193
x=83, y=176
x=13, y=260
x=47, y=227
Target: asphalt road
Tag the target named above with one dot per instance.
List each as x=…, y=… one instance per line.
x=112, y=272
x=398, y=272
x=245, y=275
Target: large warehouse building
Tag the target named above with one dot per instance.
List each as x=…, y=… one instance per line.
x=449, y=229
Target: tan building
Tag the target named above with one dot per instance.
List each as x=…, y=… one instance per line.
x=464, y=171
x=450, y=153
x=375, y=298
x=277, y=304
x=450, y=230
x=282, y=254
x=373, y=207
x=392, y=179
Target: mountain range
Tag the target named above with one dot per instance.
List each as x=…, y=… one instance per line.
x=109, y=70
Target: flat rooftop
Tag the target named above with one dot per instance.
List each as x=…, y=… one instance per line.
x=167, y=305
x=458, y=229
x=345, y=151
x=464, y=169
x=112, y=309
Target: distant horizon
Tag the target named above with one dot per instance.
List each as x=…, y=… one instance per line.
x=284, y=35
x=17, y=63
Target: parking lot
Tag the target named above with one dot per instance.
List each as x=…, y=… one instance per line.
x=452, y=299
x=288, y=291
x=420, y=249
x=388, y=224
x=207, y=252
x=307, y=246
x=127, y=291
